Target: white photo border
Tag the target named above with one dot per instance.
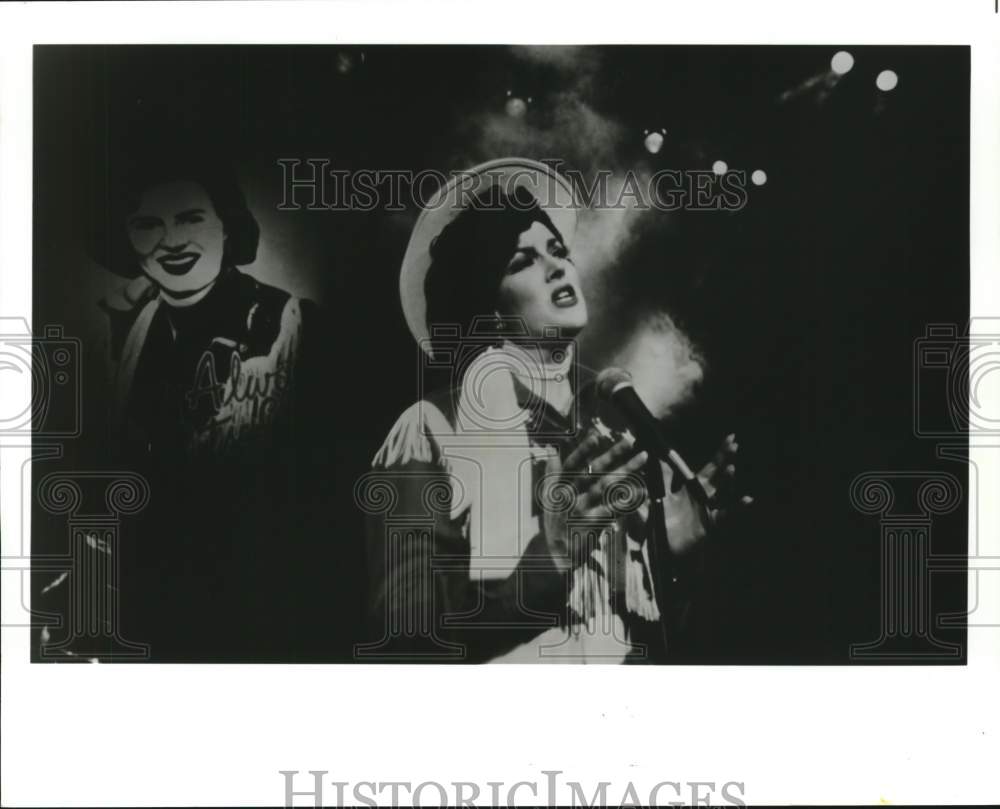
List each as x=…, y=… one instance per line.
x=218, y=735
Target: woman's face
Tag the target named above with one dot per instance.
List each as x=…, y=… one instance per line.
x=177, y=236
x=541, y=285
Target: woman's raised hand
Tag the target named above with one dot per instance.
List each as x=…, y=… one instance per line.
x=688, y=522
x=598, y=482
x=718, y=477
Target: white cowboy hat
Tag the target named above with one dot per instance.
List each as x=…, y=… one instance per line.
x=553, y=191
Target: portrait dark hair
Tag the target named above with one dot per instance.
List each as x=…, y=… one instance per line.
x=130, y=176
x=470, y=255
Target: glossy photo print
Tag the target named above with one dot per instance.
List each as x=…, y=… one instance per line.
x=456, y=354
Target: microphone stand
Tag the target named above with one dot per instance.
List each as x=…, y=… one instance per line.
x=661, y=558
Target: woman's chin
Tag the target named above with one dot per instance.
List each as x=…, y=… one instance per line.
x=571, y=322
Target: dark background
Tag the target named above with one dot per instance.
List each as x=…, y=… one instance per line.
x=806, y=304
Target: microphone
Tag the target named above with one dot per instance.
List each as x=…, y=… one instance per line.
x=614, y=385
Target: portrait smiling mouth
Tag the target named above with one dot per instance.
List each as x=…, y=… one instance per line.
x=178, y=263
x=564, y=296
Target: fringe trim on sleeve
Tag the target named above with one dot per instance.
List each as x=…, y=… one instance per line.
x=589, y=596
x=638, y=583
x=410, y=437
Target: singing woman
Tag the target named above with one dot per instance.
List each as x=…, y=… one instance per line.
x=505, y=523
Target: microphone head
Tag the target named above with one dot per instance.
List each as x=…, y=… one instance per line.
x=611, y=379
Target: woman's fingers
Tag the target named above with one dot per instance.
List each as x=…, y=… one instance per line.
x=583, y=451
x=725, y=479
x=726, y=452
x=719, y=474
x=634, y=464
x=614, y=457
x=593, y=455
x=622, y=475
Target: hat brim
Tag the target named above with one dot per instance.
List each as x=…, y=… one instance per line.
x=554, y=193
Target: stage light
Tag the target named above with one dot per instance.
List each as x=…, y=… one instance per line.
x=841, y=62
x=720, y=167
x=886, y=80
x=516, y=107
x=759, y=177
x=654, y=140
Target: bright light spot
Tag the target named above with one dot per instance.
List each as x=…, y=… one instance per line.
x=516, y=107
x=886, y=80
x=758, y=177
x=654, y=142
x=720, y=167
x=842, y=62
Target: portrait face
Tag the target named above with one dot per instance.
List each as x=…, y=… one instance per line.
x=177, y=236
x=541, y=286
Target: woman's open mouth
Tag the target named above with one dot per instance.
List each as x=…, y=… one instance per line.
x=564, y=296
x=178, y=263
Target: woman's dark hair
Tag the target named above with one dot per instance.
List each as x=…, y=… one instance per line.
x=470, y=255
x=109, y=244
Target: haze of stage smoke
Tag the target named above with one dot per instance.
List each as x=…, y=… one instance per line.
x=663, y=360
